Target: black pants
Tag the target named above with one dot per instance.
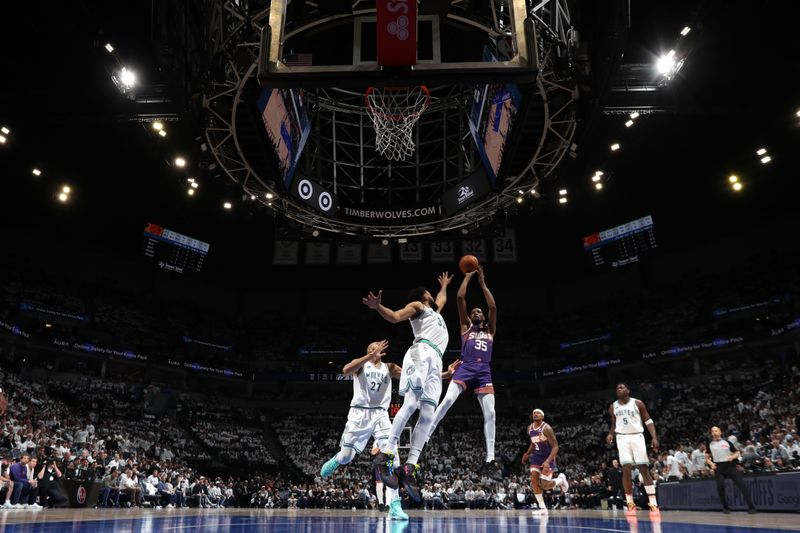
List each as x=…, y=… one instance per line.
x=729, y=470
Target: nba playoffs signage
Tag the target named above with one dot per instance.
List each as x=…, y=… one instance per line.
x=396, y=32
x=772, y=492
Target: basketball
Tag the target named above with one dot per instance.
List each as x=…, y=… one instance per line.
x=468, y=263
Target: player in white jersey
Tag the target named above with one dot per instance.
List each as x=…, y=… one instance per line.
x=368, y=416
x=629, y=417
x=420, y=381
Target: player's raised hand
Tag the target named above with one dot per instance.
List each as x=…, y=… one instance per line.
x=481, y=276
x=373, y=300
x=445, y=278
x=378, y=348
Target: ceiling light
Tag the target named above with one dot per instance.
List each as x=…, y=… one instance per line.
x=562, y=192
x=761, y=151
x=685, y=31
x=766, y=159
x=733, y=178
x=109, y=48
x=163, y=133
x=615, y=147
x=629, y=124
x=798, y=113
x=66, y=189
x=195, y=185
x=5, y=130
x=36, y=172
x=385, y=242
x=270, y=196
x=562, y=200
x=519, y=200
x=190, y=191
x=269, y=204
x=127, y=78
x=315, y=233
x=598, y=186
x=634, y=115
x=63, y=197
x=533, y=192
x=190, y=180
x=48, y=325
x=227, y=205
x=252, y=196
x=596, y=178
x=737, y=186
x=180, y=162
x=402, y=240
x=158, y=125
x=2, y=139
x=521, y=191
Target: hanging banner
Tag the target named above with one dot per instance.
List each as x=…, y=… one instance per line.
x=378, y=253
x=318, y=253
x=348, y=254
x=286, y=253
x=397, y=32
x=443, y=252
x=505, y=247
x=476, y=247
x=411, y=252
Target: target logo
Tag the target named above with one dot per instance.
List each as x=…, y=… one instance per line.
x=305, y=190
x=325, y=201
x=399, y=28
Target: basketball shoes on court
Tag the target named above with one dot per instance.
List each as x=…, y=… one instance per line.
x=631, y=508
x=396, y=510
x=492, y=470
x=384, y=462
x=329, y=468
x=409, y=476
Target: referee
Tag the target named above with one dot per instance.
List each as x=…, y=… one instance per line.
x=723, y=463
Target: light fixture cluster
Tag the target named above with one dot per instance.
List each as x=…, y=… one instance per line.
x=64, y=194
x=763, y=155
x=4, y=133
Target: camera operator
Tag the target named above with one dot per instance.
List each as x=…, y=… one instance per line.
x=50, y=490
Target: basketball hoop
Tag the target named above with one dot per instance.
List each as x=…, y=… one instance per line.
x=394, y=111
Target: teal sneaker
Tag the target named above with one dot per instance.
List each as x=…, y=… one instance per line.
x=329, y=468
x=396, y=510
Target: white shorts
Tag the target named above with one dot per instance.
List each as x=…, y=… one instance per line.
x=422, y=373
x=363, y=423
x=632, y=449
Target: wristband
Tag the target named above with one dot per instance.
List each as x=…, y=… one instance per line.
x=648, y=421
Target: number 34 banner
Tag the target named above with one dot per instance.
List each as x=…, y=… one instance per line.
x=504, y=248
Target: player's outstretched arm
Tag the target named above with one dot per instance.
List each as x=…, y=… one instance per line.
x=448, y=374
x=461, y=302
x=490, y=303
x=648, y=423
x=377, y=348
x=551, y=438
x=373, y=301
x=612, y=429
x=441, y=298
x=395, y=371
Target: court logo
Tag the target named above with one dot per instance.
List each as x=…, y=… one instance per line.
x=464, y=193
x=81, y=495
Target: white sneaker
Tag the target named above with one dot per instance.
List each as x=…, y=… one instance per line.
x=35, y=506
x=539, y=512
x=7, y=505
x=170, y=506
x=16, y=506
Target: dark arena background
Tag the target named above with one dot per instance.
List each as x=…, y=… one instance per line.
x=212, y=210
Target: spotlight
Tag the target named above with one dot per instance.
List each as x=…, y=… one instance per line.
x=666, y=64
x=36, y=172
x=562, y=192
x=63, y=197
x=733, y=178
x=190, y=191
x=227, y=205
x=615, y=147
x=798, y=113
x=634, y=115
x=269, y=204
x=562, y=200
x=66, y=189
x=315, y=233
x=685, y=31
x=385, y=242
x=163, y=133
x=766, y=159
x=521, y=191
x=270, y=196
x=629, y=124
x=127, y=78
x=534, y=193
x=195, y=185
x=598, y=172
x=598, y=186
x=252, y=196
x=519, y=200
x=2, y=139
x=48, y=325
x=761, y=151
x=737, y=186
x=109, y=48
x=180, y=162
x=190, y=180
x=5, y=130
x=596, y=178
x=158, y=126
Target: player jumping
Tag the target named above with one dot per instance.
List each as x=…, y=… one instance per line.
x=477, y=338
x=542, y=453
x=420, y=384
x=627, y=427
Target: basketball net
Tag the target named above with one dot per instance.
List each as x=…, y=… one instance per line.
x=394, y=112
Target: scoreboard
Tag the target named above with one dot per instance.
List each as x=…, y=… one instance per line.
x=173, y=251
x=621, y=245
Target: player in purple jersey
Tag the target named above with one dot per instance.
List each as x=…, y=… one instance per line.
x=542, y=456
x=474, y=373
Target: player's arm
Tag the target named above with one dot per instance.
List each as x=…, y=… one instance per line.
x=395, y=371
x=461, y=302
x=551, y=438
x=490, y=303
x=373, y=301
x=376, y=348
x=649, y=424
x=441, y=298
x=448, y=374
x=612, y=430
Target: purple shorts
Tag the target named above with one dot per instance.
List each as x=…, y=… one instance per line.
x=474, y=376
x=537, y=458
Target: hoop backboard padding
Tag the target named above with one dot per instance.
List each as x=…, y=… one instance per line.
x=521, y=67
x=396, y=32
x=394, y=112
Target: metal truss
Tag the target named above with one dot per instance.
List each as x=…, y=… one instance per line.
x=343, y=159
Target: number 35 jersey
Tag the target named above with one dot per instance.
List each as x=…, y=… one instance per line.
x=476, y=345
x=372, y=387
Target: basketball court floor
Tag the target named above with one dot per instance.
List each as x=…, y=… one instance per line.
x=320, y=521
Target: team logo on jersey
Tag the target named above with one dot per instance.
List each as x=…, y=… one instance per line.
x=410, y=370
